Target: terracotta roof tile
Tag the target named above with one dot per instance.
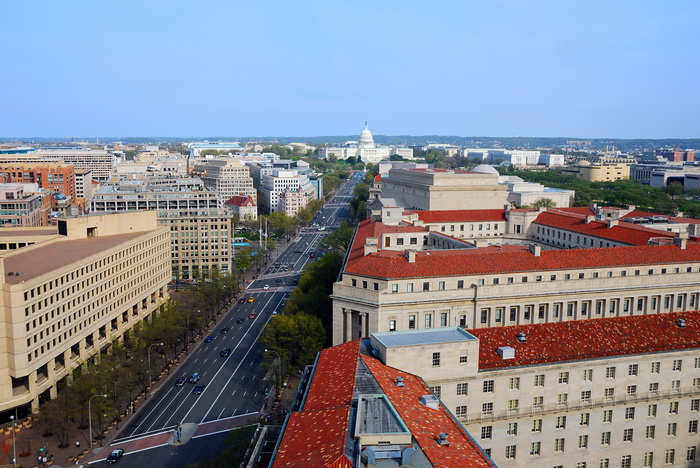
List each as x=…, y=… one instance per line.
x=583, y=210
x=625, y=232
x=588, y=339
x=331, y=386
x=425, y=423
x=511, y=259
x=458, y=216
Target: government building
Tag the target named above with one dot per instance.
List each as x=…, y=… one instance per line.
x=69, y=291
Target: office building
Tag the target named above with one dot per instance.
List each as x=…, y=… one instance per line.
x=228, y=177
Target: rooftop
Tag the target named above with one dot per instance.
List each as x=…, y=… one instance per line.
x=423, y=337
x=588, y=339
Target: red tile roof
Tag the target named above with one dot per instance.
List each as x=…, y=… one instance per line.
x=240, y=200
x=511, y=259
x=315, y=439
x=426, y=424
x=625, y=232
x=584, y=210
x=588, y=339
x=457, y=216
x=331, y=386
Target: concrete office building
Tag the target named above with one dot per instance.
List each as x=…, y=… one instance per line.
x=228, y=177
x=200, y=227
x=22, y=209
x=273, y=185
x=599, y=171
x=70, y=291
x=612, y=392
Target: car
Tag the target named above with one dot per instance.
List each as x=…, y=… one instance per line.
x=274, y=312
x=298, y=251
x=208, y=339
x=198, y=389
x=252, y=316
x=225, y=352
x=240, y=320
x=251, y=299
x=180, y=382
x=241, y=300
x=115, y=456
x=194, y=378
x=311, y=255
x=225, y=330
x=266, y=287
x=286, y=269
x=295, y=281
x=278, y=280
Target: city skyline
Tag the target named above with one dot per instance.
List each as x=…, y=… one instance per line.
x=541, y=69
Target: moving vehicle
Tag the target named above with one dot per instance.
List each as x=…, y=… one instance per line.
x=251, y=299
x=252, y=316
x=198, y=389
x=115, y=456
x=240, y=320
x=225, y=330
x=208, y=339
x=311, y=255
x=241, y=300
x=266, y=287
x=194, y=378
x=225, y=352
x=180, y=382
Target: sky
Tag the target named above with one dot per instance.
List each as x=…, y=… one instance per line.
x=183, y=68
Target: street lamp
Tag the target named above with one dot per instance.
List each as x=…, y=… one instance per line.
x=14, y=445
x=279, y=373
x=90, y=417
x=149, y=360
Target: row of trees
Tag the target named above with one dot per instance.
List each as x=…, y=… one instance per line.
x=125, y=369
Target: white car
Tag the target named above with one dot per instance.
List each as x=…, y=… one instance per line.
x=267, y=286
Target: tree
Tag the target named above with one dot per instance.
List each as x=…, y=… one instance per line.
x=56, y=416
x=338, y=241
x=544, y=203
x=297, y=338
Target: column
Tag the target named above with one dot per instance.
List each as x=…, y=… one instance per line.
x=366, y=324
x=347, y=325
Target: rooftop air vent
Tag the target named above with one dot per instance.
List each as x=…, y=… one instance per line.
x=680, y=323
x=430, y=401
x=399, y=381
x=442, y=439
x=521, y=337
x=506, y=352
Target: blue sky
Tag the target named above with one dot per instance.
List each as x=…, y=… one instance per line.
x=618, y=69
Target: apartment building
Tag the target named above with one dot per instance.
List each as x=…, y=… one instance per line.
x=493, y=268
x=228, y=177
x=70, y=291
x=200, y=227
x=273, y=185
x=614, y=392
x=20, y=209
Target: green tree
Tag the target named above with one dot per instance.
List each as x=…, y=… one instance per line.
x=297, y=338
x=338, y=241
x=544, y=203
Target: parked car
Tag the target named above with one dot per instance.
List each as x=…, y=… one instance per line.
x=198, y=389
x=225, y=352
x=225, y=330
x=115, y=456
x=194, y=378
x=208, y=339
x=180, y=382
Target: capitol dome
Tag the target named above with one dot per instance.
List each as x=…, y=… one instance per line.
x=485, y=169
x=366, y=139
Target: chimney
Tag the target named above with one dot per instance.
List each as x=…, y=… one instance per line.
x=371, y=245
x=590, y=218
x=612, y=223
x=535, y=249
x=681, y=240
x=410, y=255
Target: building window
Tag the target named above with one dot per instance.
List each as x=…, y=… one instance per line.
x=488, y=386
x=629, y=413
x=650, y=432
x=604, y=463
x=510, y=452
x=632, y=390
x=441, y=286
x=426, y=286
x=463, y=359
x=607, y=416
x=588, y=374
x=673, y=407
x=394, y=288
x=562, y=398
x=559, y=445
x=627, y=435
x=561, y=422
x=693, y=426
x=690, y=453
x=670, y=456
x=633, y=369
x=654, y=387
x=460, y=284
x=651, y=411
x=609, y=392
x=605, y=438
x=436, y=390
x=675, y=385
x=585, y=419
x=443, y=319
x=364, y=284
x=695, y=405
x=563, y=377
x=512, y=405
x=392, y=325
x=626, y=461
x=537, y=401
x=436, y=359
x=583, y=441
x=461, y=411
x=428, y=320
x=586, y=395
x=462, y=388
x=536, y=425
x=514, y=383
x=677, y=364
x=409, y=287
x=535, y=449
x=487, y=408
x=539, y=380
x=486, y=432
x=512, y=429
x=609, y=372
x=411, y=321
x=671, y=431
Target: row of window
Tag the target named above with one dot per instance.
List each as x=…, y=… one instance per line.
x=647, y=459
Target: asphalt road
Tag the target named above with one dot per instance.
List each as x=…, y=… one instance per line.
x=234, y=385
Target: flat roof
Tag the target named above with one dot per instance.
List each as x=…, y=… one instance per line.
x=37, y=261
x=422, y=337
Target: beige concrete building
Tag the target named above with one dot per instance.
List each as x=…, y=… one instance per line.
x=598, y=172
x=597, y=393
x=226, y=176
x=67, y=293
